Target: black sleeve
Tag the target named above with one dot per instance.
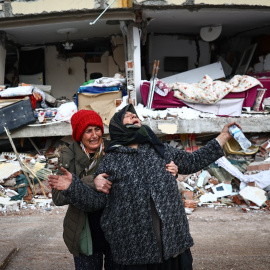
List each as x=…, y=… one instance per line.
x=193, y=162
x=83, y=197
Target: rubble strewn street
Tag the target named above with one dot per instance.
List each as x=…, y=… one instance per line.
x=225, y=238
x=229, y=222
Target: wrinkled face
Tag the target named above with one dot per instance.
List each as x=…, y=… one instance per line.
x=92, y=138
x=131, y=118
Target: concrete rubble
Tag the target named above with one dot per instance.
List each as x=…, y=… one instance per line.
x=216, y=187
x=26, y=186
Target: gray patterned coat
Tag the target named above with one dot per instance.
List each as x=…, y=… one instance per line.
x=137, y=176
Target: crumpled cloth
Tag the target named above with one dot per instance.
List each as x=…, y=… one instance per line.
x=42, y=94
x=65, y=112
x=208, y=91
x=106, y=82
x=17, y=91
x=22, y=182
x=162, y=88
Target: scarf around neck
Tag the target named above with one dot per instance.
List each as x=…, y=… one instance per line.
x=94, y=160
x=124, y=135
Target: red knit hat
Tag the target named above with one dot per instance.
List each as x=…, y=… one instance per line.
x=81, y=120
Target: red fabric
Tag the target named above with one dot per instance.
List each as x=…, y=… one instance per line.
x=81, y=120
x=261, y=74
x=266, y=84
x=249, y=96
x=33, y=101
x=160, y=102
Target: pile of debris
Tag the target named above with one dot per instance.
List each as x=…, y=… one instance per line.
x=24, y=183
x=240, y=178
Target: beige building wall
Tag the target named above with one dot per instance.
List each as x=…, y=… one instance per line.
x=116, y=64
x=65, y=84
x=40, y=6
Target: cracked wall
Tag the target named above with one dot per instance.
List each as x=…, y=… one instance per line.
x=49, y=6
x=203, y=2
x=234, y=2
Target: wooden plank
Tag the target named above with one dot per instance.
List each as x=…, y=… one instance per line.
x=8, y=258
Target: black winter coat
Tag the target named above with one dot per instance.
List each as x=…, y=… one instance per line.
x=139, y=175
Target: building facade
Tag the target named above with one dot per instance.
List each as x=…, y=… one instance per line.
x=61, y=43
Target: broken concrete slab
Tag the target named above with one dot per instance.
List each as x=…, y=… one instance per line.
x=222, y=190
x=254, y=194
x=8, y=169
x=208, y=197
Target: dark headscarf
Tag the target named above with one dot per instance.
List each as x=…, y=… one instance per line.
x=128, y=134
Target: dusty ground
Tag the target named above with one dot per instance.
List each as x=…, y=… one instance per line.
x=225, y=238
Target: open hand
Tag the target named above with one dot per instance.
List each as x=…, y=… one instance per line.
x=60, y=182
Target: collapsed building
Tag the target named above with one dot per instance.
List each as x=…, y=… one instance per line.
x=60, y=57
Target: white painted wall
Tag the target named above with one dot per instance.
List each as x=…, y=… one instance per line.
x=161, y=46
x=64, y=84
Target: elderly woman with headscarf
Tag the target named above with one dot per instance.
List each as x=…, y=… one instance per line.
x=144, y=218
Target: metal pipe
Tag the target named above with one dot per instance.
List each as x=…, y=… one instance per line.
x=91, y=23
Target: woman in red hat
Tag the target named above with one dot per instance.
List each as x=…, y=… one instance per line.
x=82, y=158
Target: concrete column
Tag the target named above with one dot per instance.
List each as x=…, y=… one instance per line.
x=134, y=54
x=2, y=56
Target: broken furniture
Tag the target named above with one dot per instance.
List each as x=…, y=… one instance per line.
x=233, y=147
x=15, y=113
